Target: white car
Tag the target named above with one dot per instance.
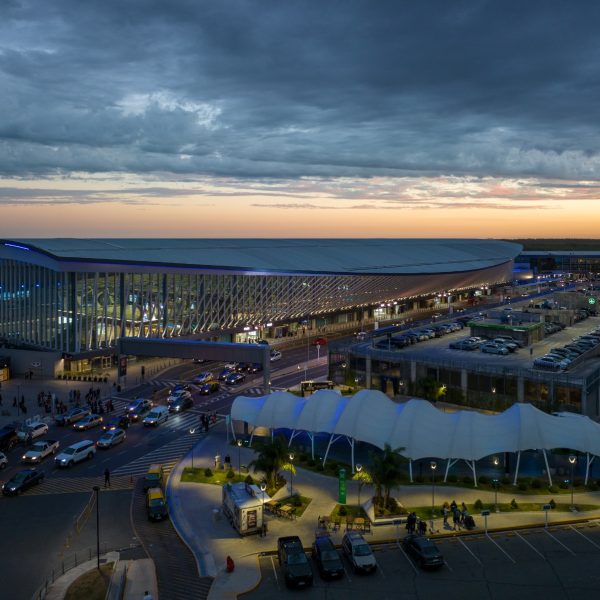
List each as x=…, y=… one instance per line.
x=35, y=430
x=158, y=415
x=232, y=366
x=3, y=461
x=275, y=355
x=111, y=438
x=492, y=348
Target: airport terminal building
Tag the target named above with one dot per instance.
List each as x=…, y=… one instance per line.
x=76, y=297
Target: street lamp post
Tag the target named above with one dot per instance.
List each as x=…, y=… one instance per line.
x=97, y=490
x=192, y=431
x=291, y=474
x=239, y=445
x=358, y=470
x=495, y=481
x=572, y=461
x=433, y=467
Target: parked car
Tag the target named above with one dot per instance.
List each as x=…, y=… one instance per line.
x=32, y=431
x=463, y=345
x=235, y=378
x=3, y=461
x=156, y=505
x=111, y=438
x=121, y=422
x=510, y=346
x=492, y=348
x=202, y=377
x=294, y=562
x=21, y=481
x=275, y=355
x=72, y=415
x=320, y=341
x=358, y=552
x=423, y=551
x=40, y=450
x=210, y=387
x=8, y=438
x=88, y=422
x=326, y=557
x=548, y=362
x=154, y=477
x=84, y=450
x=180, y=403
x=158, y=415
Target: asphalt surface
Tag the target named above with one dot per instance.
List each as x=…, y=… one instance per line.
x=37, y=527
x=561, y=563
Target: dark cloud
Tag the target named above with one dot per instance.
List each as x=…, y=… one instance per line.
x=248, y=89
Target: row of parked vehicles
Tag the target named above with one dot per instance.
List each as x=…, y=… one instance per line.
x=501, y=344
x=407, y=338
x=298, y=571
x=559, y=359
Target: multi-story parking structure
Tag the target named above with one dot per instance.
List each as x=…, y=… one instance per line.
x=76, y=297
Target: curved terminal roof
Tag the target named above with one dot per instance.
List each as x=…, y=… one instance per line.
x=420, y=429
x=311, y=256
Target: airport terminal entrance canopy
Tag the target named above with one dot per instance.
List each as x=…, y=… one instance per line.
x=419, y=428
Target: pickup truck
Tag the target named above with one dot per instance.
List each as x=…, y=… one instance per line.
x=39, y=451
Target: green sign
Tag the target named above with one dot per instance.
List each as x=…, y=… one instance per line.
x=591, y=300
x=342, y=487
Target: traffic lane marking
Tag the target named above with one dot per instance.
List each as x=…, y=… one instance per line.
x=501, y=549
x=559, y=542
x=530, y=545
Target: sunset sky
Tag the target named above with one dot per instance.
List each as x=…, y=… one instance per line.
x=196, y=118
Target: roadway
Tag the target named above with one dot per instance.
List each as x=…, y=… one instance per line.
x=44, y=536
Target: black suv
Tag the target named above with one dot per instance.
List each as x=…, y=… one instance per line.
x=8, y=438
x=424, y=551
x=294, y=562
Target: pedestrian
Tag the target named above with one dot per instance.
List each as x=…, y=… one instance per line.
x=422, y=527
x=0, y=399
x=15, y=402
x=148, y=596
x=106, y=477
x=453, y=505
x=456, y=519
x=445, y=513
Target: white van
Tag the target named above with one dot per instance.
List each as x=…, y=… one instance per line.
x=156, y=416
x=76, y=453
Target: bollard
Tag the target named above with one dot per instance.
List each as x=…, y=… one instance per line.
x=230, y=565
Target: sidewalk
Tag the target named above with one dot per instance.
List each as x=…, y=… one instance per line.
x=212, y=539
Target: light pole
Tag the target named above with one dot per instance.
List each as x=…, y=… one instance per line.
x=433, y=467
x=358, y=470
x=572, y=461
x=239, y=445
x=495, y=481
x=291, y=474
x=192, y=431
x=97, y=490
x=263, y=487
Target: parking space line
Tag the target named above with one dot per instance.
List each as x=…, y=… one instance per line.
x=559, y=542
x=410, y=562
x=347, y=573
x=530, y=545
x=468, y=550
x=585, y=537
x=501, y=549
x=275, y=573
x=381, y=570
x=447, y=565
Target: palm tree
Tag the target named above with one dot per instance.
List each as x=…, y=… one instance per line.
x=386, y=472
x=270, y=459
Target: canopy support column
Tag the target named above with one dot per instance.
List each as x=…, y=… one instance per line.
x=292, y=437
x=588, y=466
x=251, y=437
x=547, y=467
x=311, y=436
x=332, y=439
x=351, y=442
x=410, y=469
x=474, y=473
x=517, y=467
x=232, y=430
x=451, y=462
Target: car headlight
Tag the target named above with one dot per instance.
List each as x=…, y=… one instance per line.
x=24, y=456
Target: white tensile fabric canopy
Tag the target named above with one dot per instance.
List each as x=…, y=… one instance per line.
x=418, y=428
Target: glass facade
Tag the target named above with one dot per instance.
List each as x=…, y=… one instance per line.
x=82, y=311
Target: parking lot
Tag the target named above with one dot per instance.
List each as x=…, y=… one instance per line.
x=437, y=348
x=557, y=563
